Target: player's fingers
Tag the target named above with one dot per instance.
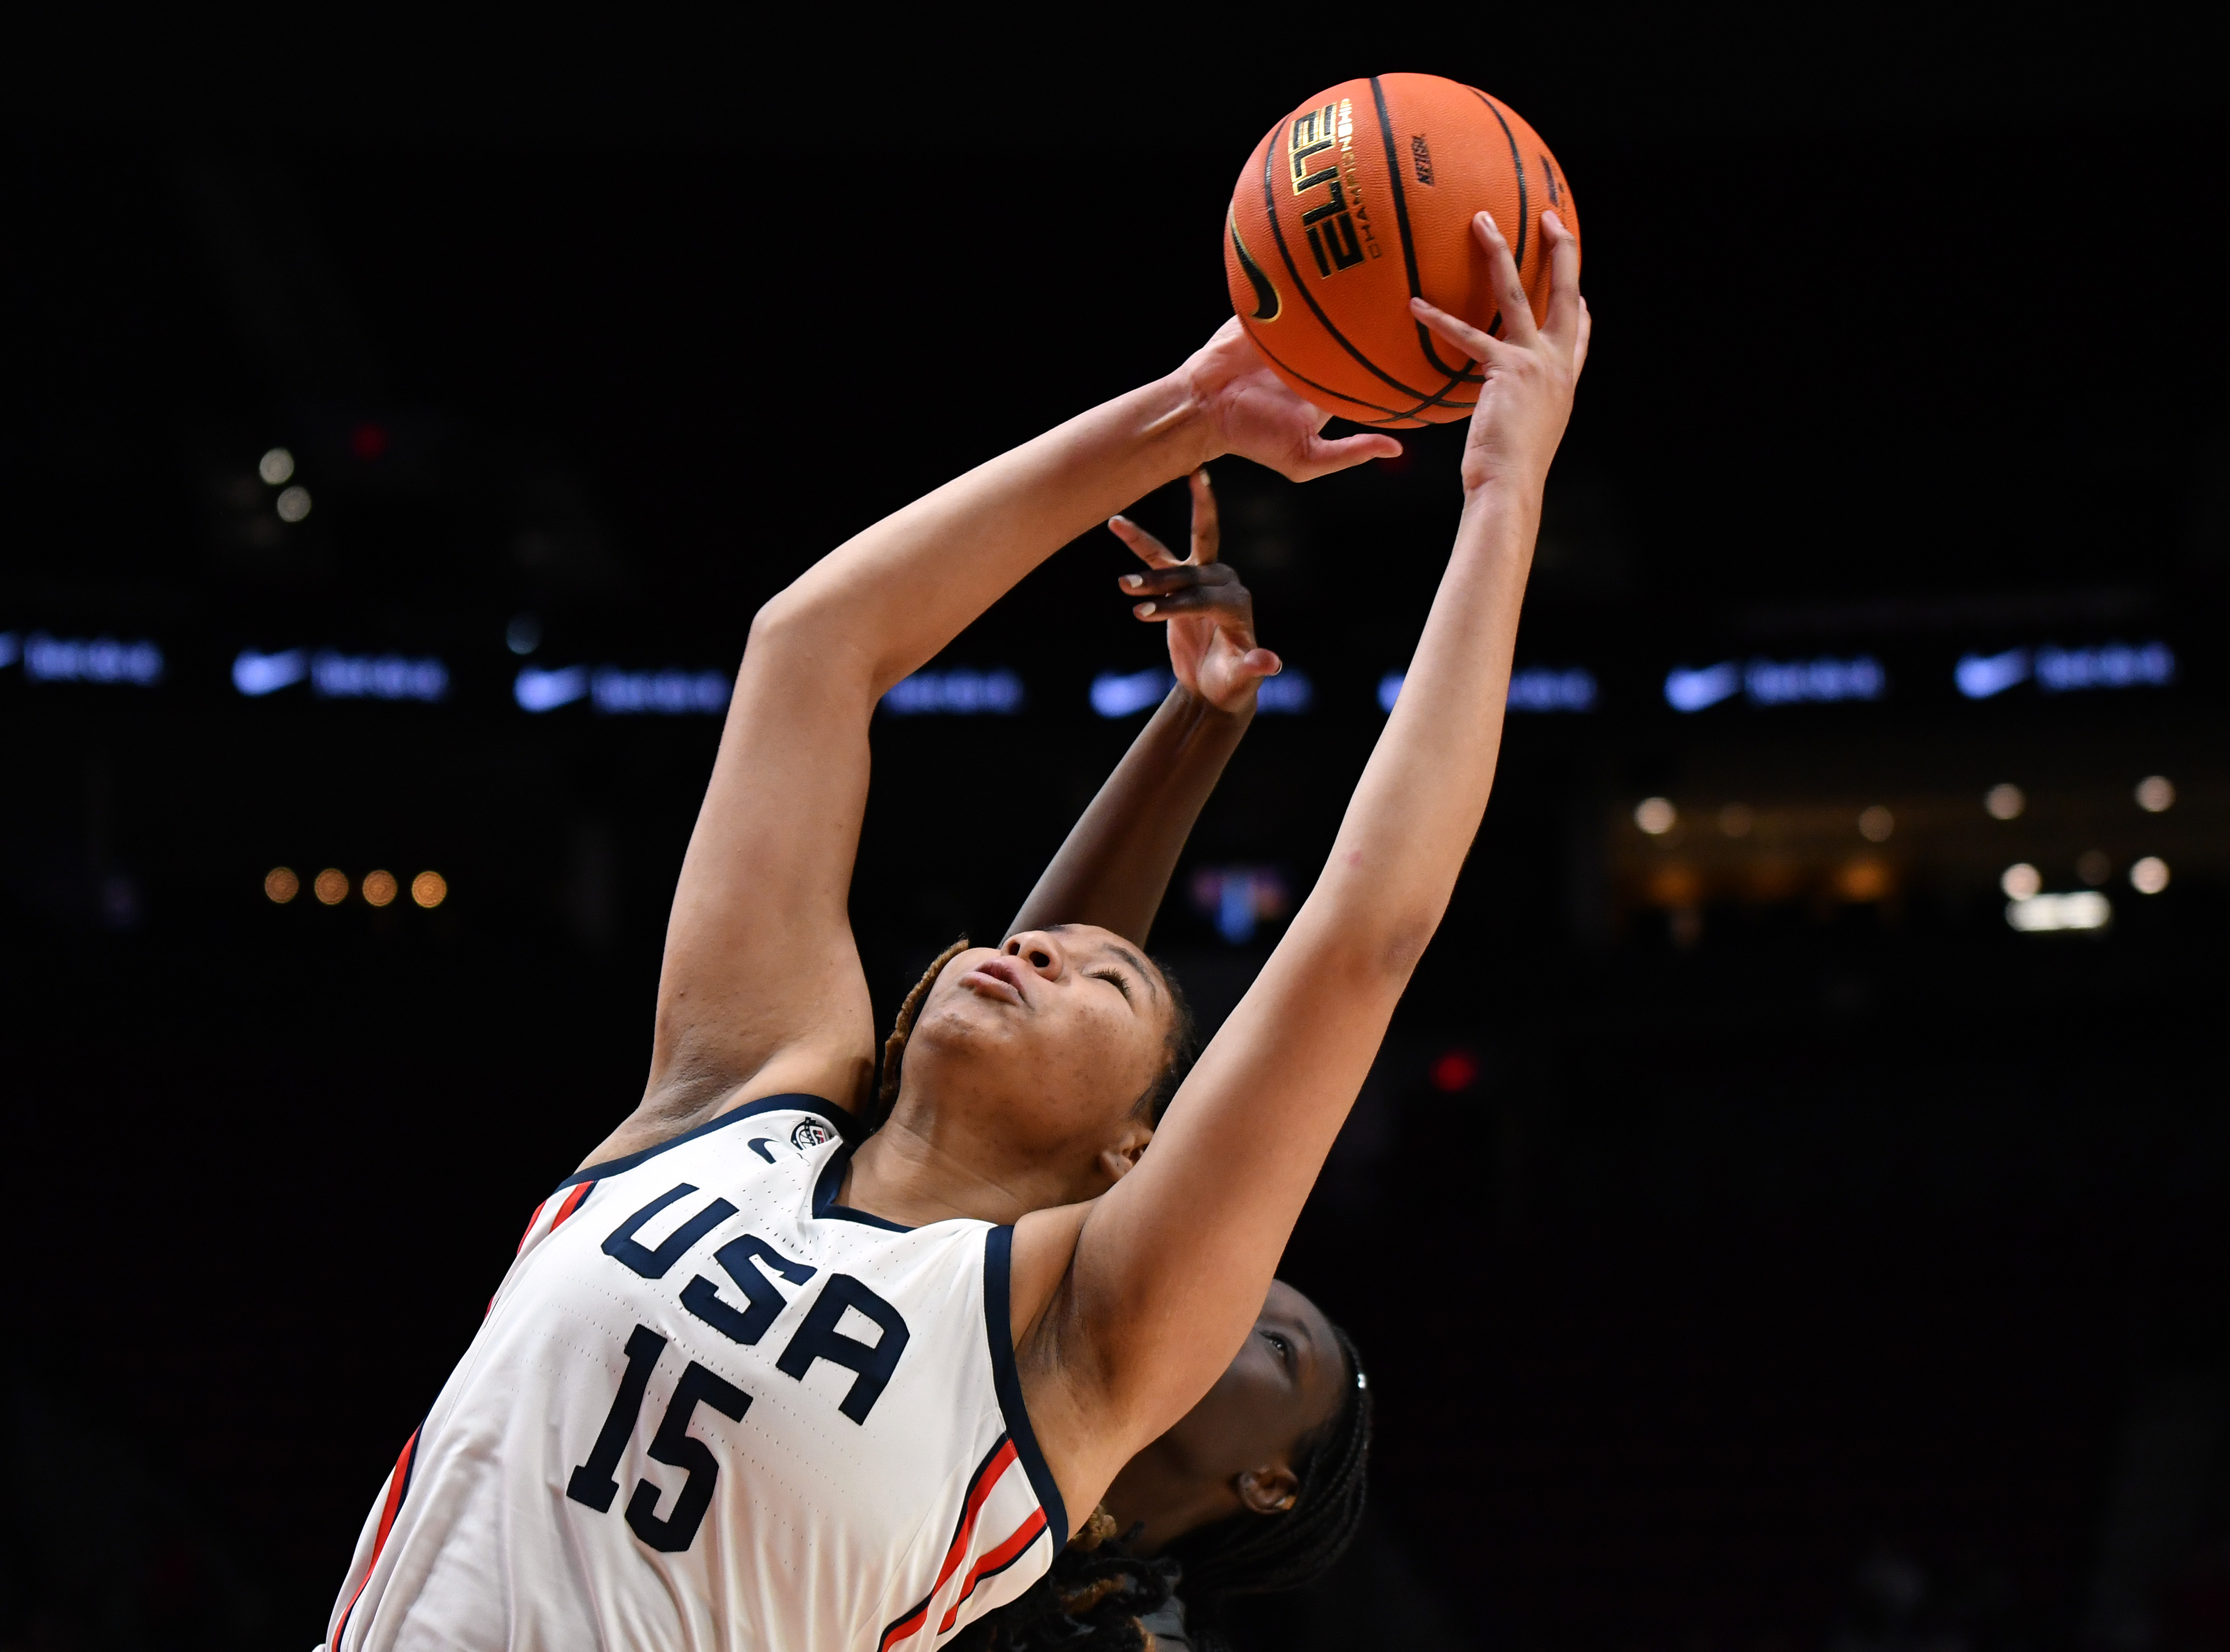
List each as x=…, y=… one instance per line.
x=1173, y=604
x=1149, y=550
x=1586, y=332
x=1564, y=320
x=1178, y=576
x=1509, y=292
x=1322, y=457
x=1206, y=527
x=1260, y=662
x=1475, y=344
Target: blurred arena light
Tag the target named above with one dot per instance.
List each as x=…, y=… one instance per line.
x=1876, y=823
x=2021, y=881
x=1735, y=819
x=294, y=503
x=671, y=692
x=379, y=888
x=1454, y=1072
x=540, y=691
x=523, y=634
x=336, y=676
x=1823, y=681
x=1981, y=677
x=2005, y=801
x=1389, y=689
x=2115, y=665
x=2149, y=875
x=2085, y=908
x=1238, y=898
x=1544, y=688
x=1694, y=690
x=96, y=660
x=256, y=674
x=429, y=890
x=958, y=692
x=330, y=886
x=10, y=645
x=276, y=466
x=281, y=885
x=1289, y=693
x=1655, y=815
x=2155, y=795
x=1122, y=694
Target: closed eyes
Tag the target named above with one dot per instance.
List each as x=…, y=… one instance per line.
x=1113, y=976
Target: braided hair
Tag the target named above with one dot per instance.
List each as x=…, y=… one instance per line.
x=1183, y=1049
x=1253, y=1554
x=1092, y=1598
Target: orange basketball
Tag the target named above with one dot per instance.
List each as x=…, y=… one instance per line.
x=1363, y=198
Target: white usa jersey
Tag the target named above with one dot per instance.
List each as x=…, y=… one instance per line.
x=712, y=1408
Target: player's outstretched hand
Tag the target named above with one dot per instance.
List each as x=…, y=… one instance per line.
x=1530, y=371
x=1209, y=613
x=1255, y=416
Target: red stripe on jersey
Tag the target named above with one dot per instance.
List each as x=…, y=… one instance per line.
x=988, y=1475
x=997, y=1561
x=530, y=1221
x=572, y=1203
x=397, y=1483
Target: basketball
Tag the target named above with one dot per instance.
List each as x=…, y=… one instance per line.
x=1363, y=198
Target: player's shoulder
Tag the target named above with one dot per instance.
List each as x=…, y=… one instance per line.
x=799, y=1122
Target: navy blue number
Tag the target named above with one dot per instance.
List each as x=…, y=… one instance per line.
x=623, y=1248
x=701, y=1297
x=819, y=1339
x=592, y=1482
x=675, y=1445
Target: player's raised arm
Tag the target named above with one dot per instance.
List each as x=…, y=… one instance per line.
x=761, y=991
x=1116, y=1336
x=1115, y=864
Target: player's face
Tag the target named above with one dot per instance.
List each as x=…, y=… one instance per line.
x=1063, y=1029
x=1244, y=1436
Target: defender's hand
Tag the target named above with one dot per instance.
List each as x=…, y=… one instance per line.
x=1251, y=413
x=1209, y=613
x=1530, y=372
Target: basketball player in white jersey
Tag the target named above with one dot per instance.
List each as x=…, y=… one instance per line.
x=752, y=1386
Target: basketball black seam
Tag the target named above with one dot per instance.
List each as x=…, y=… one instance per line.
x=1517, y=163
x=1270, y=206
x=1326, y=388
x=1402, y=222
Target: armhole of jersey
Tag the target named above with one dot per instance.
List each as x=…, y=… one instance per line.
x=998, y=1325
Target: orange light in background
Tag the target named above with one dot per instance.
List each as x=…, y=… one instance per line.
x=1737, y=819
x=429, y=890
x=281, y=885
x=1655, y=815
x=1675, y=885
x=379, y=887
x=2004, y=801
x=332, y=886
x=1875, y=823
x=1866, y=879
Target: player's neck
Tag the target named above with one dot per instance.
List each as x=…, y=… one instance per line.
x=1169, y=1498
x=908, y=1176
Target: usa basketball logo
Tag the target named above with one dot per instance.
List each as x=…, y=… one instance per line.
x=810, y=1134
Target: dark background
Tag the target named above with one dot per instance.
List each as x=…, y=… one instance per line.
x=1756, y=1243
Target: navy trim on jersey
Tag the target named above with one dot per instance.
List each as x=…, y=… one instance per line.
x=825, y=1206
x=836, y=1115
x=998, y=1328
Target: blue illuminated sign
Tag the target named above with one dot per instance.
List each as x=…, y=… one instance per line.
x=958, y=692
x=666, y=693
x=1122, y=694
x=96, y=660
x=256, y=674
x=335, y=676
x=2066, y=670
x=1824, y=681
x=1287, y=694
x=1534, y=688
